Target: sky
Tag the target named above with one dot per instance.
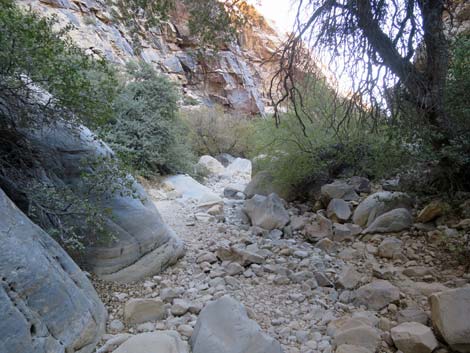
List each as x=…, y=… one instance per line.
x=279, y=11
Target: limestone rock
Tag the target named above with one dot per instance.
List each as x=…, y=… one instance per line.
x=356, y=333
x=412, y=315
x=190, y=189
x=266, y=212
x=393, y=221
x=450, y=313
x=263, y=184
x=154, y=342
x=233, y=191
x=376, y=294
x=48, y=305
x=413, y=337
x=360, y=184
x=137, y=311
x=379, y=203
x=240, y=167
x=338, y=210
x=224, y=327
x=212, y=165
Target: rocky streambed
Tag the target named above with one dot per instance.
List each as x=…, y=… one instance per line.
x=262, y=275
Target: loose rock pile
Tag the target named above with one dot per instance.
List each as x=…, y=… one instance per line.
x=355, y=276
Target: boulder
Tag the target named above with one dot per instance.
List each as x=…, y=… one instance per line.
x=412, y=315
x=348, y=278
x=266, y=212
x=240, y=167
x=212, y=165
x=344, y=232
x=450, y=315
x=137, y=311
x=190, y=189
x=360, y=184
x=376, y=294
x=432, y=210
x=154, y=342
x=223, y=326
x=338, y=210
x=413, y=337
x=393, y=221
x=321, y=228
x=48, y=305
x=338, y=190
x=234, y=191
x=390, y=248
x=142, y=244
x=356, y=332
x=379, y=203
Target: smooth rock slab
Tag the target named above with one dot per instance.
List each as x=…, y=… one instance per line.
x=413, y=337
x=450, y=315
x=154, y=342
x=47, y=304
x=223, y=326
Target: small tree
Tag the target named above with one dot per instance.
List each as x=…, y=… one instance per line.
x=377, y=42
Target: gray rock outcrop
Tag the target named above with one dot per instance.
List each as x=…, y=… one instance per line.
x=48, y=305
x=224, y=327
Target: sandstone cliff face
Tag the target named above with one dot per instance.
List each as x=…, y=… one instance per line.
x=233, y=76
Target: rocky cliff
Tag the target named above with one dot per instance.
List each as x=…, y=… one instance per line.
x=232, y=76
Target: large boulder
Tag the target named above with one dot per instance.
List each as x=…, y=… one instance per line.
x=413, y=337
x=142, y=244
x=48, y=305
x=154, y=342
x=212, y=165
x=393, y=221
x=239, y=167
x=338, y=210
x=223, y=326
x=450, y=314
x=379, y=203
x=377, y=294
x=266, y=212
x=190, y=189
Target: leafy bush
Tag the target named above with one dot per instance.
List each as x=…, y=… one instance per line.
x=296, y=157
x=41, y=68
x=213, y=131
x=146, y=132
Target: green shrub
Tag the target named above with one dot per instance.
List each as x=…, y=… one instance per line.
x=34, y=59
x=213, y=131
x=296, y=157
x=146, y=132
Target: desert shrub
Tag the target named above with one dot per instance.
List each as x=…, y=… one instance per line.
x=213, y=131
x=146, y=131
x=41, y=69
x=296, y=157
